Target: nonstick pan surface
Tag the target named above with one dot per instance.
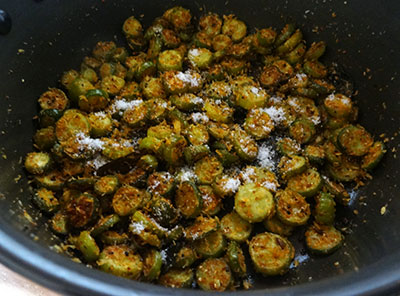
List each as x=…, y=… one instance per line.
x=49, y=37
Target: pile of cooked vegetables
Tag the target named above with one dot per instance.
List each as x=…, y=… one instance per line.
x=156, y=162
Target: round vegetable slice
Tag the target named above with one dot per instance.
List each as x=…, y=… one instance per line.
x=121, y=261
x=86, y=244
x=214, y=275
x=37, y=162
x=127, y=199
x=212, y=245
x=235, y=228
x=73, y=122
x=323, y=239
x=207, y=169
x=271, y=253
x=201, y=227
x=254, y=203
x=82, y=210
x=354, y=140
x=292, y=208
x=307, y=183
x=275, y=225
x=46, y=200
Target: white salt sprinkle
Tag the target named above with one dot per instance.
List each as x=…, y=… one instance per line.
x=231, y=185
x=277, y=114
x=188, y=77
x=265, y=156
x=199, y=117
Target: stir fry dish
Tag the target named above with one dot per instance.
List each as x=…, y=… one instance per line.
x=197, y=150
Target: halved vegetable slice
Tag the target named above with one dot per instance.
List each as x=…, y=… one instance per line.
x=46, y=200
x=152, y=262
x=324, y=208
x=177, y=278
x=374, y=155
x=86, y=244
x=236, y=260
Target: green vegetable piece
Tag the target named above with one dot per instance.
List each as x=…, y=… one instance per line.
x=234, y=28
x=316, y=50
x=120, y=261
x=179, y=17
x=188, y=200
x=288, y=147
x=104, y=224
x=73, y=122
x=271, y=253
x=315, y=154
x=346, y=171
x=112, y=84
x=104, y=50
x=254, y=203
x=46, y=200
x=132, y=27
x=185, y=257
x=82, y=210
x=152, y=262
x=290, y=166
x=236, y=259
x=245, y=146
x=207, y=169
x=49, y=117
x=292, y=208
x=194, y=153
x=212, y=203
x=212, y=245
x=211, y=24
x=37, y=162
x=307, y=183
x=161, y=183
x=296, y=55
x=86, y=244
x=235, y=228
x=266, y=37
x=152, y=88
x=169, y=60
x=59, y=223
x=163, y=211
x=315, y=69
x=218, y=111
x=324, y=209
x=323, y=239
x=201, y=227
x=80, y=86
x=258, y=124
x=53, y=180
x=100, y=123
x=286, y=32
x=127, y=199
x=302, y=130
x=54, y=98
x=290, y=43
x=338, y=105
x=93, y=100
x=249, y=96
x=214, y=275
x=275, y=225
x=354, y=140
x=112, y=238
x=200, y=58
x=177, y=278
x=373, y=156
x=68, y=77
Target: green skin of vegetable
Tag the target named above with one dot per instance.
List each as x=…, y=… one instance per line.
x=236, y=259
x=325, y=209
x=152, y=263
x=86, y=244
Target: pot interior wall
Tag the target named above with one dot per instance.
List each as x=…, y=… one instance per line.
x=49, y=37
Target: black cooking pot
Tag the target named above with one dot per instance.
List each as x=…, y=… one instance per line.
x=49, y=37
